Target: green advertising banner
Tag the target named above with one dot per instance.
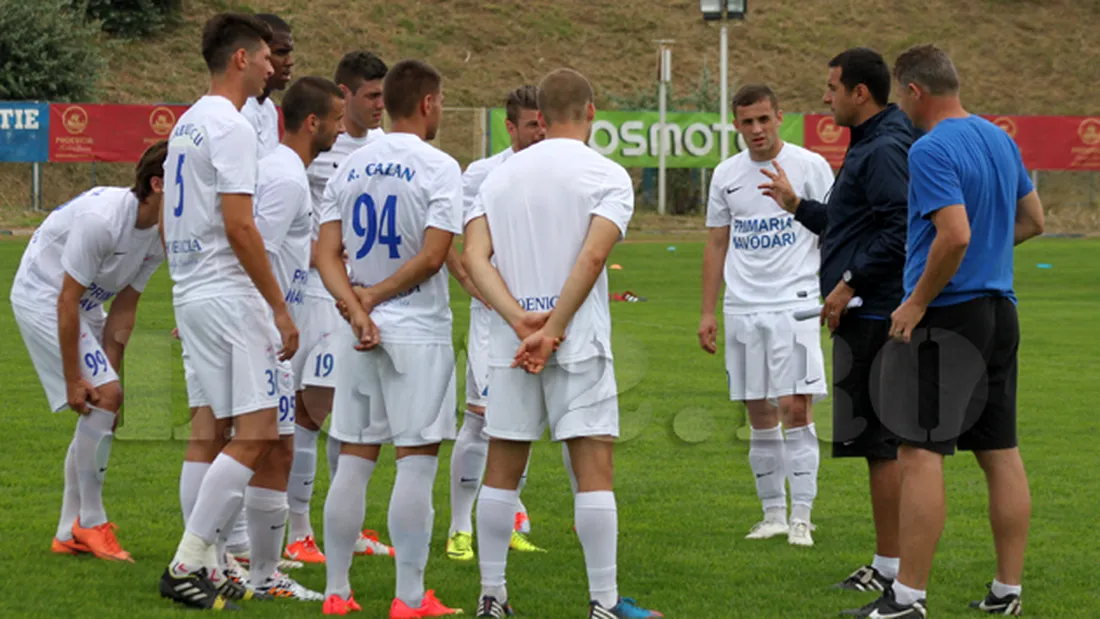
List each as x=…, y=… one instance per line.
x=632, y=138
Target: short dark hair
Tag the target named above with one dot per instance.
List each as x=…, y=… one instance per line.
x=308, y=95
x=861, y=65
x=225, y=33
x=150, y=166
x=358, y=67
x=930, y=68
x=522, y=98
x=753, y=93
x=406, y=85
x=564, y=95
x=278, y=25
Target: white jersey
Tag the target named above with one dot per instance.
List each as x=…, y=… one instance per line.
x=283, y=217
x=212, y=152
x=320, y=171
x=386, y=195
x=772, y=260
x=264, y=118
x=472, y=180
x=539, y=206
x=93, y=239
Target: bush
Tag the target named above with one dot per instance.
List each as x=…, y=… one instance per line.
x=130, y=18
x=47, y=52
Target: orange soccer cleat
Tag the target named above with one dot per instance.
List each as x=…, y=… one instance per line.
x=368, y=544
x=430, y=606
x=336, y=605
x=304, y=550
x=101, y=541
x=67, y=547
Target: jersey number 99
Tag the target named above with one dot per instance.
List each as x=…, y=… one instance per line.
x=370, y=225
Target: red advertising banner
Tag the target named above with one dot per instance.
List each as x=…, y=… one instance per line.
x=1046, y=142
x=103, y=132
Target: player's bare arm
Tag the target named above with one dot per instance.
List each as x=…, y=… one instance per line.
x=119, y=325
x=248, y=245
x=423, y=265
x=714, y=257
x=1029, y=218
x=79, y=389
x=462, y=276
x=329, y=256
x=944, y=258
x=476, y=255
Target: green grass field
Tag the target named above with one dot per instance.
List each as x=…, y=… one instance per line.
x=686, y=496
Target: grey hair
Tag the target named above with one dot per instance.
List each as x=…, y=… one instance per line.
x=928, y=67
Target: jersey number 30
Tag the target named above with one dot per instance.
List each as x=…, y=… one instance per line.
x=371, y=226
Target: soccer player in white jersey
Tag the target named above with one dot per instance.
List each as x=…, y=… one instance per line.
x=774, y=363
x=260, y=110
x=471, y=446
x=550, y=217
x=359, y=76
x=396, y=205
x=101, y=245
x=225, y=292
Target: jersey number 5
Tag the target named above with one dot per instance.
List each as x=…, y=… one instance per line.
x=179, y=183
x=370, y=225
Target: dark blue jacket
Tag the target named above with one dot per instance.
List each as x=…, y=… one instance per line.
x=863, y=225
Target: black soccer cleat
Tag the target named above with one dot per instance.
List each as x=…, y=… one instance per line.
x=194, y=590
x=1010, y=605
x=886, y=607
x=488, y=606
x=866, y=578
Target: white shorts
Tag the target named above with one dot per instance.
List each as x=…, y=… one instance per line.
x=574, y=399
x=770, y=355
x=39, y=331
x=315, y=364
x=477, y=356
x=396, y=393
x=195, y=396
x=232, y=346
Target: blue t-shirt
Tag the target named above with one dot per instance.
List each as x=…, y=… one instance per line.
x=968, y=161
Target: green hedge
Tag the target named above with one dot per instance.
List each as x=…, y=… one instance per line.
x=48, y=52
x=130, y=18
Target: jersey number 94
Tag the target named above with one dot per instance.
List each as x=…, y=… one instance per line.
x=372, y=226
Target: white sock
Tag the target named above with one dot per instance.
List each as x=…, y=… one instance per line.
x=802, y=458
x=70, y=501
x=266, y=511
x=999, y=589
x=598, y=529
x=410, y=523
x=93, y=447
x=300, y=487
x=332, y=452
x=907, y=595
x=193, y=554
x=568, y=462
x=524, y=522
x=220, y=497
x=887, y=566
x=766, y=457
x=496, y=510
x=467, y=469
x=345, y=508
x=191, y=476
x=237, y=540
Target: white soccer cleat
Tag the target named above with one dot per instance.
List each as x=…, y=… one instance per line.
x=282, y=586
x=799, y=534
x=368, y=544
x=767, y=529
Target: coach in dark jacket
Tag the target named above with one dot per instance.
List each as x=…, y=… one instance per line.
x=862, y=228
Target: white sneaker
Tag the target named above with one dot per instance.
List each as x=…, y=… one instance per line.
x=282, y=586
x=766, y=529
x=245, y=560
x=799, y=534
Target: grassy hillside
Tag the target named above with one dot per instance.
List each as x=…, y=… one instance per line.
x=1016, y=56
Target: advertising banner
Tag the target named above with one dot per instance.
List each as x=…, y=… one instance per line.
x=24, y=127
x=113, y=133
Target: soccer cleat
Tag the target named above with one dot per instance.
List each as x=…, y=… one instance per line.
x=522, y=544
x=244, y=559
x=283, y=587
x=522, y=523
x=766, y=529
x=430, y=606
x=627, y=608
x=194, y=590
x=368, y=544
x=336, y=605
x=488, y=606
x=304, y=550
x=886, y=607
x=460, y=547
x=67, y=547
x=1010, y=604
x=866, y=578
x=101, y=541
x=799, y=535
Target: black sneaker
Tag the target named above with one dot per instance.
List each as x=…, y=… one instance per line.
x=866, y=578
x=232, y=589
x=993, y=605
x=886, y=607
x=194, y=590
x=488, y=606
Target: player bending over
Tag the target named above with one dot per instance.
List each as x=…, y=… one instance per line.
x=550, y=216
x=396, y=205
x=101, y=244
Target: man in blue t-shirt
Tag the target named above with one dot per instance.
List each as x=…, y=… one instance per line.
x=949, y=378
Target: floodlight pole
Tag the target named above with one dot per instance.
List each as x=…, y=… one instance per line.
x=723, y=53
x=663, y=78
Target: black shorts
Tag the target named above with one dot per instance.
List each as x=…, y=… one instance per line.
x=954, y=385
x=857, y=430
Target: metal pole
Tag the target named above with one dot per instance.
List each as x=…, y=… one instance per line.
x=484, y=132
x=724, y=138
x=704, y=189
x=36, y=186
x=666, y=56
